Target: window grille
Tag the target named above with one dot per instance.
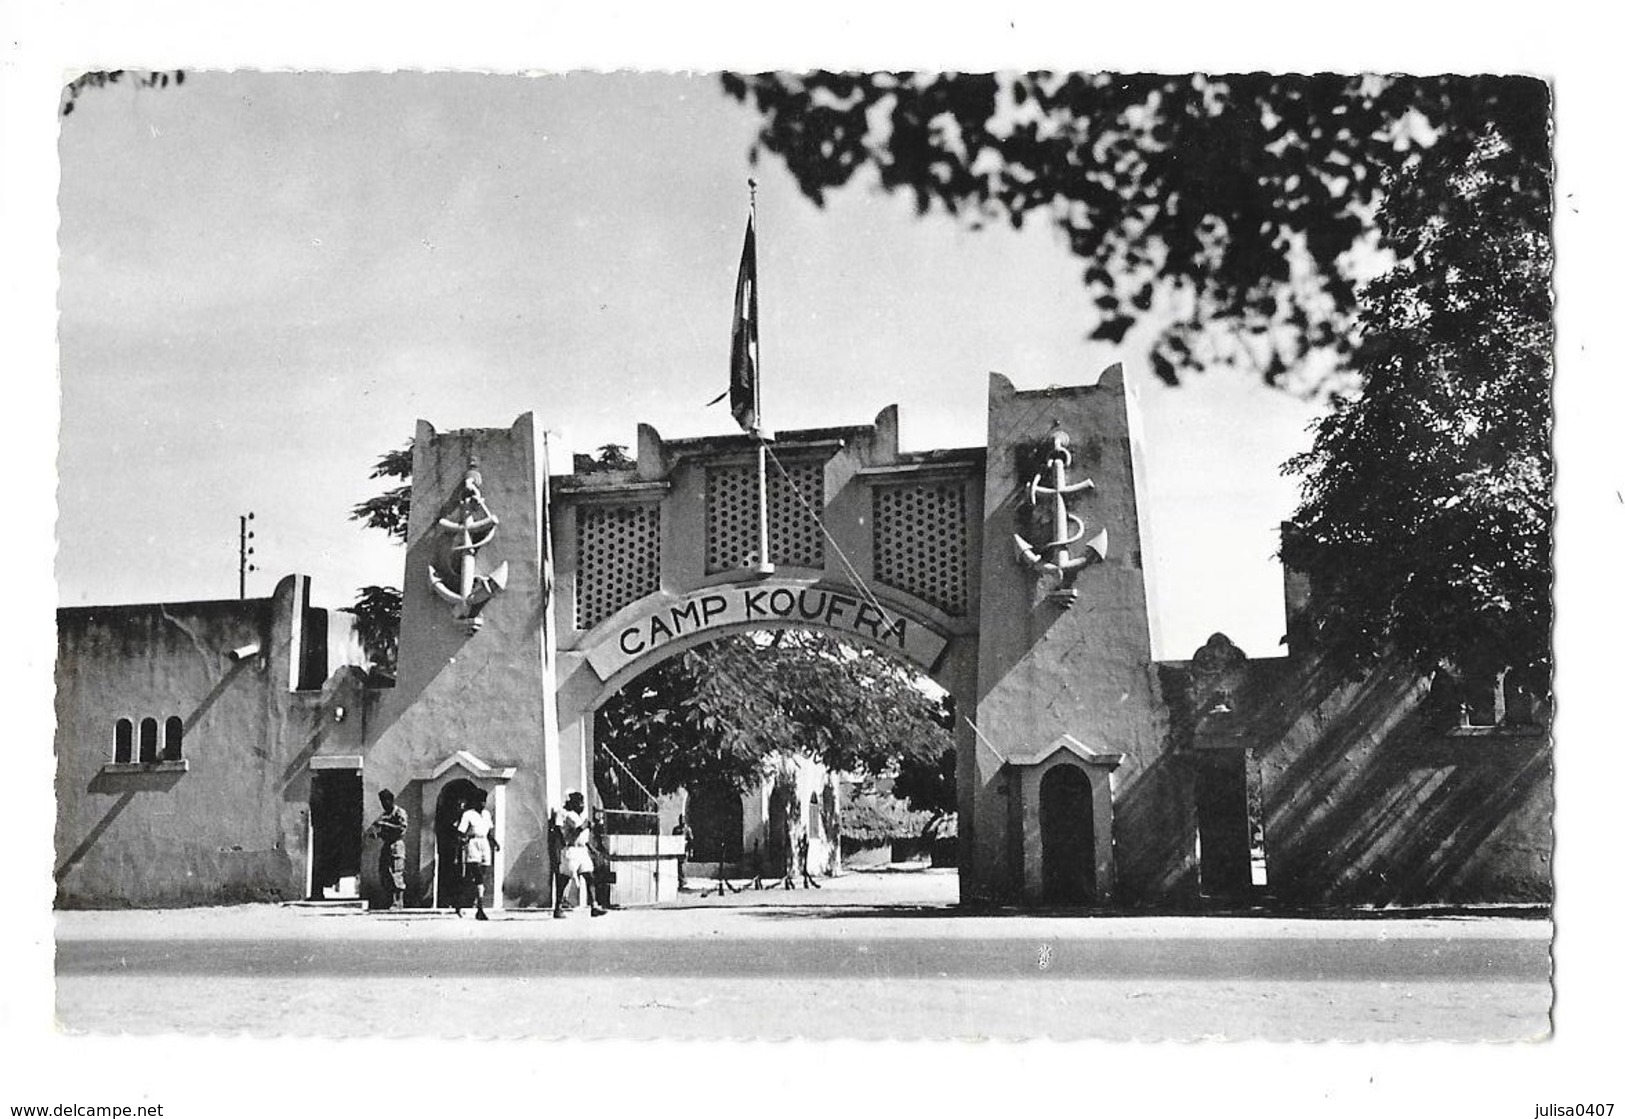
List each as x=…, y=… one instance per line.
x=920, y=539
x=618, y=558
x=794, y=538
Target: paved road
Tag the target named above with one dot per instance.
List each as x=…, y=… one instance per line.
x=822, y=967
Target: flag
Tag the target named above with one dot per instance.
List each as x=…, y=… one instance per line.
x=743, y=387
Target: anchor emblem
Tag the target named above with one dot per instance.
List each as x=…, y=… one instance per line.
x=472, y=528
x=1055, y=558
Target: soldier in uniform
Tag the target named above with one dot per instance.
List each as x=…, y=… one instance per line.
x=573, y=828
x=390, y=830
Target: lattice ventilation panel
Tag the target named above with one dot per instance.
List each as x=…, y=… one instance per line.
x=793, y=536
x=618, y=561
x=921, y=543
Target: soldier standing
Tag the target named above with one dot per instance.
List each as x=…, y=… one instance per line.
x=390, y=830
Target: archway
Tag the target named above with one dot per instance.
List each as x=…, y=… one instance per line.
x=1067, y=834
x=763, y=797
x=454, y=797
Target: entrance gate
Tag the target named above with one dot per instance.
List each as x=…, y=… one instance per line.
x=987, y=567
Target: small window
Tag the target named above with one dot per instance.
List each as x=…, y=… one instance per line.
x=123, y=742
x=149, y=741
x=173, y=728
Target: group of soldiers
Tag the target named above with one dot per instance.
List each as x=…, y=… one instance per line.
x=578, y=857
x=577, y=854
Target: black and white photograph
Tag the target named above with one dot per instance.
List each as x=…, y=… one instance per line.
x=550, y=561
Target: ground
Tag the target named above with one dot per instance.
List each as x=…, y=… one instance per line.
x=867, y=956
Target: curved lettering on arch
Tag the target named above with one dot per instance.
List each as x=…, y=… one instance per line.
x=839, y=610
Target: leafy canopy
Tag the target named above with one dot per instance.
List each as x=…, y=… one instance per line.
x=377, y=613
x=727, y=710
x=1234, y=209
x=390, y=511
x=99, y=79
x=1426, y=519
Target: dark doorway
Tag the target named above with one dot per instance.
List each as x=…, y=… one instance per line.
x=778, y=832
x=448, y=810
x=1224, y=866
x=716, y=816
x=335, y=830
x=1066, y=823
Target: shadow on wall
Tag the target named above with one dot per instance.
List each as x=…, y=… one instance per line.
x=77, y=855
x=126, y=786
x=1368, y=801
x=1159, y=810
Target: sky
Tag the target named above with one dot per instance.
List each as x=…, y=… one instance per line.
x=268, y=278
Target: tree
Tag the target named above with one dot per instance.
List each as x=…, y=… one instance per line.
x=928, y=784
x=1241, y=206
x=378, y=609
x=377, y=613
x=97, y=79
x=610, y=457
x=727, y=710
x=1425, y=525
x=390, y=511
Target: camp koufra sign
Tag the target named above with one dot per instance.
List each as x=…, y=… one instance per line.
x=770, y=605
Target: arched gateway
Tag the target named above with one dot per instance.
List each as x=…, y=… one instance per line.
x=988, y=567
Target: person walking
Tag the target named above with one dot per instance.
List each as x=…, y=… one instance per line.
x=390, y=830
x=479, y=843
x=804, y=857
x=575, y=860
x=687, y=833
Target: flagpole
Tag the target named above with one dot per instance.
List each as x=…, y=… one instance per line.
x=764, y=562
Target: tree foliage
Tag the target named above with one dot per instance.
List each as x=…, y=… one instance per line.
x=390, y=511
x=1426, y=520
x=1239, y=205
x=377, y=613
x=610, y=457
x=927, y=785
x=377, y=609
x=726, y=711
x=97, y=79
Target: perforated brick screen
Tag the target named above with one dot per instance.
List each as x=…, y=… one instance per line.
x=618, y=559
x=793, y=535
x=920, y=542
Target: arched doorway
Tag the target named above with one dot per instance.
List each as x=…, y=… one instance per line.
x=448, y=809
x=1066, y=823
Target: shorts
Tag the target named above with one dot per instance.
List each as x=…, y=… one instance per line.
x=392, y=865
x=577, y=860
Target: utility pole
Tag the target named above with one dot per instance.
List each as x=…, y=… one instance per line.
x=244, y=550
